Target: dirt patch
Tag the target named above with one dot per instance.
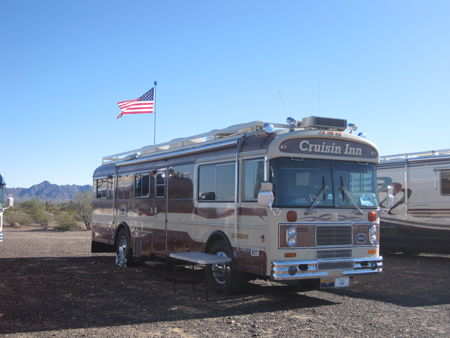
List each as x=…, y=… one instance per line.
x=51, y=285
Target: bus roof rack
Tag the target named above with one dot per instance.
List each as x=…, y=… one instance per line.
x=421, y=154
x=233, y=131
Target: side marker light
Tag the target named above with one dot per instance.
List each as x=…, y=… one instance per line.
x=372, y=216
x=291, y=216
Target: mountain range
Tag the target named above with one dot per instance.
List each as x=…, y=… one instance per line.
x=47, y=191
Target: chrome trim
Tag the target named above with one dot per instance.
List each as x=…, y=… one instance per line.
x=280, y=269
x=138, y=242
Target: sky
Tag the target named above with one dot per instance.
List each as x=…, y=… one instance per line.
x=64, y=66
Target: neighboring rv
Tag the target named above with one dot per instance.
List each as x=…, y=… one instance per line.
x=419, y=219
x=294, y=204
x=3, y=206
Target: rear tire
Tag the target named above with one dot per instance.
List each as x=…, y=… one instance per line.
x=225, y=278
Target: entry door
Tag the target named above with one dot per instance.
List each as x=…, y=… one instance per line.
x=160, y=210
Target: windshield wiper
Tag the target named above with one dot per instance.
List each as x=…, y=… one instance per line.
x=317, y=198
x=346, y=194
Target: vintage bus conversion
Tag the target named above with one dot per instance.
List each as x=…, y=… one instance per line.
x=288, y=202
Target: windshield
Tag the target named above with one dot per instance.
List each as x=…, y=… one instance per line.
x=313, y=183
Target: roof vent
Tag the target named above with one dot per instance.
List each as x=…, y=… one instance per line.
x=324, y=123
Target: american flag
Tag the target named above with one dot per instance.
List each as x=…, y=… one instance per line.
x=142, y=105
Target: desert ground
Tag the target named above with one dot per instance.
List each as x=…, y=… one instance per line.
x=51, y=285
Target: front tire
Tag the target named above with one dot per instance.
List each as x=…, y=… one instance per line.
x=123, y=241
x=224, y=277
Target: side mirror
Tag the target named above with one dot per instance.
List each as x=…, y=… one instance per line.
x=390, y=197
x=10, y=202
x=265, y=195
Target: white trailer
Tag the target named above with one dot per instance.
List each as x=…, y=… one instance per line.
x=419, y=219
x=3, y=206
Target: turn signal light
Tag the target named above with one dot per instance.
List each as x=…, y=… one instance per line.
x=372, y=252
x=372, y=216
x=290, y=255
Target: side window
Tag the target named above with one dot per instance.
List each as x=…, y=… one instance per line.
x=125, y=186
x=101, y=188
x=253, y=176
x=109, y=194
x=445, y=182
x=180, y=183
x=216, y=182
x=142, y=185
x=160, y=184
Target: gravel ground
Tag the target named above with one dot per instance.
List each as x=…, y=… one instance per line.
x=52, y=286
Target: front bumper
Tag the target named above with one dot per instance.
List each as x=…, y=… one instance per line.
x=294, y=270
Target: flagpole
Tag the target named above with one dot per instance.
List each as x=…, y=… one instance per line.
x=154, y=114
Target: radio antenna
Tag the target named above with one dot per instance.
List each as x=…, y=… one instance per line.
x=287, y=114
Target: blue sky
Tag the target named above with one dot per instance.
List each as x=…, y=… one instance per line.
x=64, y=65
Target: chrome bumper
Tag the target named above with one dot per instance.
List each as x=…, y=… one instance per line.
x=291, y=270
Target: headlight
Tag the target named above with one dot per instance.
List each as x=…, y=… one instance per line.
x=373, y=234
x=292, y=242
x=291, y=236
x=291, y=231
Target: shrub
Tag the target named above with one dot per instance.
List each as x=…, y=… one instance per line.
x=36, y=210
x=67, y=221
x=82, y=206
x=16, y=215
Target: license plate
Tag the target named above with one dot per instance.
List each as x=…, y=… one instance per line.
x=339, y=282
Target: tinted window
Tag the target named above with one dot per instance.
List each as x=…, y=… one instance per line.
x=101, y=188
x=253, y=176
x=303, y=182
x=445, y=182
x=142, y=185
x=297, y=182
x=180, y=183
x=125, y=186
x=160, y=184
x=216, y=182
x=355, y=183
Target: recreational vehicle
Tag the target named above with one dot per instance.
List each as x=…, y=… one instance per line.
x=3, y=206
x=419, y=219
x=289, y=202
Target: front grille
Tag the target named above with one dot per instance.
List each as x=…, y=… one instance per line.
x=333, y=235
x=328, y=254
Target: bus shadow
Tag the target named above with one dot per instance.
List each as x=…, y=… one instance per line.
x=44, y=294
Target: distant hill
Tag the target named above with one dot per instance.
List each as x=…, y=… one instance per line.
x=46, y=191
